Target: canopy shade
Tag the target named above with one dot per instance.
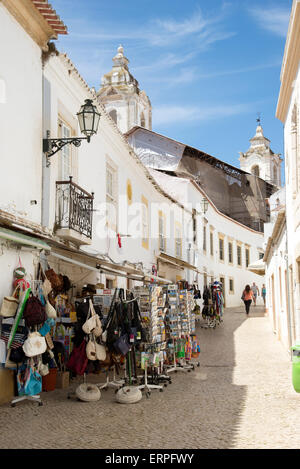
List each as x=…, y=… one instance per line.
x=258, y=267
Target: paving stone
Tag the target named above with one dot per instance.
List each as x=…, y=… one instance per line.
x=240, y=397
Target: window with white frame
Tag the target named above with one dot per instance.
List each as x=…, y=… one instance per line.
x=230, y=253
x=111, y=196
x=247, y=255
x=178, y=241
x=161, y=232
x=239, y=255
x=204, y=238
x=145, y=223
x=66, y=153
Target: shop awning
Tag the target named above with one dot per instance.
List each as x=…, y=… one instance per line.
x=151, y=278
x=258, y=267
x=23, y=239
x=176, y=262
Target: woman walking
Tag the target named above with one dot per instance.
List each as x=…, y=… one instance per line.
x=247, y=297
x=263, y=293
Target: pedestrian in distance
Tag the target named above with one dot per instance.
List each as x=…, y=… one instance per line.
x=255, y=290
x=263, y=293
x=247, y=298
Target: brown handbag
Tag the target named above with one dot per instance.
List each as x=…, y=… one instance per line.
x=56, y=281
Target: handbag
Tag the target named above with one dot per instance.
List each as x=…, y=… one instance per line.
x=56, y=281
x=17, y=355
x=34, y=312
x=29, y=381
x=19, y=271
x=93, y=323
x=78, y=360
x=50, y=310
x=95, y=351
x=10, y=305
x=121, y=345
x=35, y=344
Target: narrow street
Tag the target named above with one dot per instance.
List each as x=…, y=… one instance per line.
x=240, y=397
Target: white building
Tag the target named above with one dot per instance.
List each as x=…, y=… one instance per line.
x=288, y=112
x=260, y=160
x=123, y=100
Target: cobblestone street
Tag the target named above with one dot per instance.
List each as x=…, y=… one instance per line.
x=240, y=397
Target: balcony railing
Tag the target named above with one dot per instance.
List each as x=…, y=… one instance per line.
x=74, y=208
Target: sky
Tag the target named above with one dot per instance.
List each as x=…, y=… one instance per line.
x=208, y=66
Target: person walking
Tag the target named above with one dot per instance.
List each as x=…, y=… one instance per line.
x=263, y=293
x=247, y=297
x=255, y=290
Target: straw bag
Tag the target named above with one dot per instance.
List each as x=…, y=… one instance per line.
x=9, y=305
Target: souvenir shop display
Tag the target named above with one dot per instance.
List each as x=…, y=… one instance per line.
x=213, y=305
x=152, y=301
x=51, y=336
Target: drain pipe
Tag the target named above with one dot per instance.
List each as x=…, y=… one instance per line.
x=290, y=329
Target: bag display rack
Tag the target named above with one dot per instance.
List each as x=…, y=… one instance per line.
x=213, y=305
x=96, y=331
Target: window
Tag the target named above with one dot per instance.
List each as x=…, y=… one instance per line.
x=161, y=232
x=255, y=170
x=114, y=116
x=231, y=285
x=111, y=196
x=239, y=255
x=143, y=121
x=66, y=157
x=260, y=255
x=178, y=240
x=221, y=249
x=204, y=238
x=110, y=183
x=211, y=243
x=145, y=223
x=194, y=226
x=247, y=252
x=230, y=253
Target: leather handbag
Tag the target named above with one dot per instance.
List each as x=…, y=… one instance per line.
x=78, y=360
x=35, y=344
x=95, y=351
x=122, y=345
x=93, y=323
x=56, y=281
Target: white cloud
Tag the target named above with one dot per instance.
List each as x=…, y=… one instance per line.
x=274, y=19
x=177, y=114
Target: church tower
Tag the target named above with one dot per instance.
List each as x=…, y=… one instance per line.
x=127, y=105
x=260, y=160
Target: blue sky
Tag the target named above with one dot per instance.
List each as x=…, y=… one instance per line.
x=208, y=66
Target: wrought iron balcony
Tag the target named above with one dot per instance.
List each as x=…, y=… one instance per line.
x=74, y=212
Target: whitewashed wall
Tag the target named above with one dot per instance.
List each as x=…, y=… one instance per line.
x=21, y=120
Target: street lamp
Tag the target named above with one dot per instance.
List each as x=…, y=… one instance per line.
x=88, y=118
x=204, y=205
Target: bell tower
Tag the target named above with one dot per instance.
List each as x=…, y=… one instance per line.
x=260, y=160
x=119, y=92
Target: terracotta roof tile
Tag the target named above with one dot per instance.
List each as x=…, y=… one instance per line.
x=50, y=16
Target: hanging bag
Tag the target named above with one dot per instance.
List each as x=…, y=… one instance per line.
x=19, y=271
x=78, y=359
x=34, y=345
x=95, y=351
x=10, y=305
x=34, y=312
x=93, y=323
